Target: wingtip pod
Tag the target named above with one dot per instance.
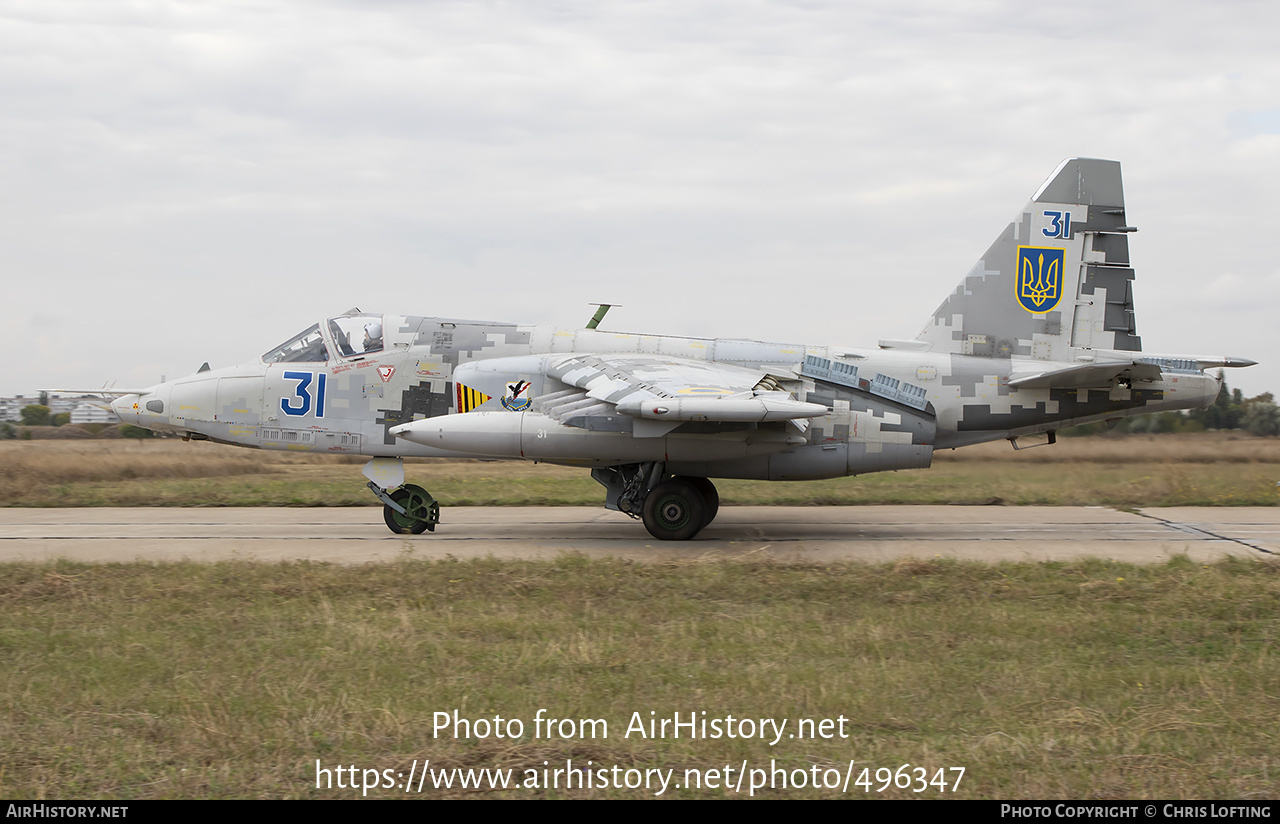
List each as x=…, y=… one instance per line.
x=1216, y=363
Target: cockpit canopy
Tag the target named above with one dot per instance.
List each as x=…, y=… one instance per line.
x=353, y=335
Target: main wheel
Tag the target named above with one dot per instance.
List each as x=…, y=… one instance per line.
x=709, y=496
x=421, y=511
x=674, y=511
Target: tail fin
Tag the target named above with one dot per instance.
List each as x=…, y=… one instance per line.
x=1056, y=279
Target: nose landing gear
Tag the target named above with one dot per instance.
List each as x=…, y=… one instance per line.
x=408, y=509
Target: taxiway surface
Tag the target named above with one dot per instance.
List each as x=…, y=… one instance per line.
x=805, y=534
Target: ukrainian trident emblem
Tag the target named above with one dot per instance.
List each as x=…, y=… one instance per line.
x=1039, y=281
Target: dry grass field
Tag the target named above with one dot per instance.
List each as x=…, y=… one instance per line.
x=231, y=680
x=1125, y=471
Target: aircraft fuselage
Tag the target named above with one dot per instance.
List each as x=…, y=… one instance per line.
x=889, y=408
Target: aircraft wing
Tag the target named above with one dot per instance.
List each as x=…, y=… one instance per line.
x=659, y=391
x=616, y=377
x=666, y=388
x=107, y=392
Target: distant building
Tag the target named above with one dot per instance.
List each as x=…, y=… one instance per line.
x=11, y=408
x=82, y=410
x=90, y=412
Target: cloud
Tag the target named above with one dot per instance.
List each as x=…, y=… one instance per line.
x=218, y=174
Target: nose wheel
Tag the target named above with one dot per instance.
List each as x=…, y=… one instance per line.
x=408, y=509
x=421, y=511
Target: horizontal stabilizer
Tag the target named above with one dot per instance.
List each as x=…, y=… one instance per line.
x=1085, y=375
x=909, y=345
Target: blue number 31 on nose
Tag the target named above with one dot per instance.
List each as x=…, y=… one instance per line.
x=303, y=393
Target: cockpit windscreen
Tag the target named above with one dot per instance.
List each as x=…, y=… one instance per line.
x=307, y=346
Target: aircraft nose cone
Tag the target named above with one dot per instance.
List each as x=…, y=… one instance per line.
x=126, y=407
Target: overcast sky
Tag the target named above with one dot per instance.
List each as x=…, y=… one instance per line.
x=192, y=181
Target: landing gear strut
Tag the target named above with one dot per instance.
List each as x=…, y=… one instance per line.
x=407, y=508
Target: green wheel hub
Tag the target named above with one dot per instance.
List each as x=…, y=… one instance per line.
x=421, y=511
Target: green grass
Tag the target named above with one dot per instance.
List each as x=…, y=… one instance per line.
x=1071, y=680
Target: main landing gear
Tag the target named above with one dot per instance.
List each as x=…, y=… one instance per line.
x=673, y=508
x=407, y=508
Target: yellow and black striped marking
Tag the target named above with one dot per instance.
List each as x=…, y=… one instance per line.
x=469, y=398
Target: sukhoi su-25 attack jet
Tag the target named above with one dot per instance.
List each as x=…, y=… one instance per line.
x=1038, y=336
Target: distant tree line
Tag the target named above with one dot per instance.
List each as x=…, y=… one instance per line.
x=37, y=414
x=1231, y=410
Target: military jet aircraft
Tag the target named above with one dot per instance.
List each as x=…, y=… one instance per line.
x=1040, y=335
